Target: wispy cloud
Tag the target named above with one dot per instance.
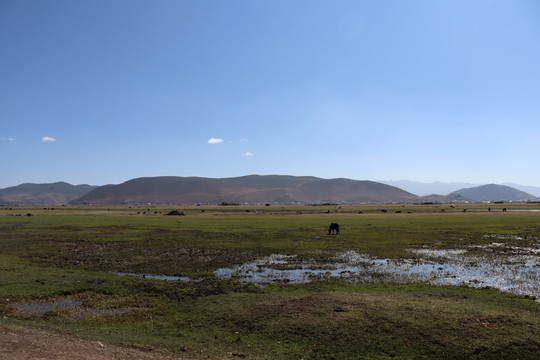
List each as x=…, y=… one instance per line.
x=48, y=139
x=214, y=141
x=7, y=139
x=248, y=154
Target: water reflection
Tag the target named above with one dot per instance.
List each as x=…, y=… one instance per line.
x=518, y=274
x=156, y=277
x=515, y=269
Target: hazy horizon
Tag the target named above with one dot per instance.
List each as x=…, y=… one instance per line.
x=100, y=92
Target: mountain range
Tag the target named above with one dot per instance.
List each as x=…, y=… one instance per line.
x=437, y=187
x=422, y=189
x=444, y=188
x=493, y=192
x=274, y=189
x=57, y=193
x=279, y=189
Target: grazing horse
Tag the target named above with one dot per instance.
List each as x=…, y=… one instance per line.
x=333, y=228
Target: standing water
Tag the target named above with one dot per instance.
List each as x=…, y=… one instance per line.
x=517, y=274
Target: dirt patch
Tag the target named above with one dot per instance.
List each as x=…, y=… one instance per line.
x=320, y=305
x=72, y=309
x=296, y=307
x=24, y=344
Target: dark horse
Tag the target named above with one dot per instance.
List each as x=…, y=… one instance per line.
x=333, y=228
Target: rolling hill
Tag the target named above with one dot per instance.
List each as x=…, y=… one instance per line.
x=58, y=193
x=279, y=189
x=533, y=190
x=428, y=189
x=493, y=192
x=451, y=198
x=274, y=189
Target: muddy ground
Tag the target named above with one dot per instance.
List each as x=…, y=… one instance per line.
x=24, y=344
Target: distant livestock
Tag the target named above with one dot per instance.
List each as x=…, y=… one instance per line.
x=333, y=229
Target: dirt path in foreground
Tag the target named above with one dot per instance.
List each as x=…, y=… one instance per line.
x=24, y=344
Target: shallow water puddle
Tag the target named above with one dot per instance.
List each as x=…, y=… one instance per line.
x=518, y=274
x=156, y=277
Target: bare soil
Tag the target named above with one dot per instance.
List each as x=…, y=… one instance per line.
x=25, y=344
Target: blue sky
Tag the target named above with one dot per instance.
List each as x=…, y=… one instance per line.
x=101, y=92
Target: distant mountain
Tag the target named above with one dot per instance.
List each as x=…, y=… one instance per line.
x=423, y=189
x=451, y=198
x=280, y=189
x=493, y=192
x=247, y=189
x=58, y=193
x=534, y=190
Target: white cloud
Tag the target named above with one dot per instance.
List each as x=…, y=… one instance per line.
x=7, y=139
x=214, y=141
x=248, y=154
x=48, y=139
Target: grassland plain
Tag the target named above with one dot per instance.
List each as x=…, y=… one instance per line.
x=59, y=271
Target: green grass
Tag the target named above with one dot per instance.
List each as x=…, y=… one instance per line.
x=73, y=254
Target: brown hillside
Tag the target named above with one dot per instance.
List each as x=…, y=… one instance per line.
x=246, y=189
x=58, y=193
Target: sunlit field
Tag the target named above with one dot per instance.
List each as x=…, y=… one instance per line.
x=268, y=282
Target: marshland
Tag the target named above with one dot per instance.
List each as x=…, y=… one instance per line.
x=268, y=282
